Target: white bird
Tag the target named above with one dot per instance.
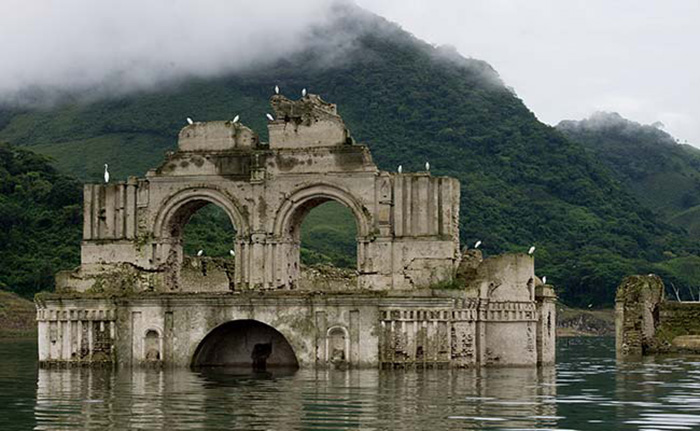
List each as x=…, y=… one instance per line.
x=427, y=166
x=478, y=243
x=590, y=305
x=303, y=92
x=200, y=252
x=277, y=90
x=236, y=118
x=400, y=169
x=270, y=117
x=532, y=250
x=106, y=174
x=232, y=253
x=544, y=280
x=189, y=121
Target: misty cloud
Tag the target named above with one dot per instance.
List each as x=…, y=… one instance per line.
x=115, y=46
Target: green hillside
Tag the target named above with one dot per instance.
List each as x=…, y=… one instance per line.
x=523, y=182
x=650, y=164
x=40, y=221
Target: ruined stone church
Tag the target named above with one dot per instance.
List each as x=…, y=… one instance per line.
x=414, y=300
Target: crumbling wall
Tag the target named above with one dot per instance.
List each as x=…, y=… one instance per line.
x=637, y=314
x=679, y=327
x=207, y=274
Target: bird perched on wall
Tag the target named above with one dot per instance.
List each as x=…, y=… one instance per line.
x=532, y=250
x=400, y=169
x=236, y=118
x=232, y=253
x=427, y=166
x=189, y=121
x=106, y=174
x=270, y=117
x=544, y=280
x=303, y=92
x=277, y=89
x=200, y=252
x=477, y=244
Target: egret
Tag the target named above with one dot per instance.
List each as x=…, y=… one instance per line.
x=427, y=166
x=270, y=117
x=200, y=252
x=590, y=305
x=236, y=118
x=106, y=174
x=532, y=250
x=277, y=90
x=232, y=253
x=544, y=280
x=477, y=244
x=303, y=92
x=189, y=121
x=400, y=169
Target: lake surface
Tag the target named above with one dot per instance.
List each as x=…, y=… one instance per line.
x=587, y=390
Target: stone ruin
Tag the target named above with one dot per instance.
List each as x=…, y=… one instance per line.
x=646, y=323
x=414, y=300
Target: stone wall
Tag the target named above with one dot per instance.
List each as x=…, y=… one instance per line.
x=414, y=298
x=647, y=323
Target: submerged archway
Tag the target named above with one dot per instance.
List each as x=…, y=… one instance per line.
x=245, y=344
x=293, y=212
x=209, y=264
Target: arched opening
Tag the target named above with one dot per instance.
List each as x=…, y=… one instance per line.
x=210, y=230
x=329, y=236
x=151, y=346
x=324, y=235
x=245, y=344
x=202, y=247
x=337, y=345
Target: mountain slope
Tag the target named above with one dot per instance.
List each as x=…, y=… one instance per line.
x=523, y=182
x=40, y=221
x=661, y=173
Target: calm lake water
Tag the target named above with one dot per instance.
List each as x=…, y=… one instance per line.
x=587, y=390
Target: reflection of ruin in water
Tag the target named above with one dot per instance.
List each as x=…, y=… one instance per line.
x=156, y=399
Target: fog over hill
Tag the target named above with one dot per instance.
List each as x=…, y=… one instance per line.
x=661, y=172
x=523, y=182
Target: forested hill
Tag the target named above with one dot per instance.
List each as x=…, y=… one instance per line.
x=662, y=173
x=523, y=182
x=40, y=221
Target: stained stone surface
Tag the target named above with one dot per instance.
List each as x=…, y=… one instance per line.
x=414, y=299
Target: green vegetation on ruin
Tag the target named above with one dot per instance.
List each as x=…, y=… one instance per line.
x=523, y=182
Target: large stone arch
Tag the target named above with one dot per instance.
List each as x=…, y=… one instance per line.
x=245, y=343
x=174, y=214
x=300, y=202
x=291, y=214
x=186, y=202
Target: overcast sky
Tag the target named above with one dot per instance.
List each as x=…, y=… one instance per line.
x=564, y=58
x=569, y=58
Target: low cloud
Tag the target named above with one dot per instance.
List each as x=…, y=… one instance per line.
x=55, y=47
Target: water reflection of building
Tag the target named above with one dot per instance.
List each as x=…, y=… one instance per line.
x=181, y=399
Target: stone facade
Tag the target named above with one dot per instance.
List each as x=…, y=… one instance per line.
x=415, y=298
x=646, y=323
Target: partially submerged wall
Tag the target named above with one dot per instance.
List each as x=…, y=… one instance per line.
x=413, y=300
x=647, y=323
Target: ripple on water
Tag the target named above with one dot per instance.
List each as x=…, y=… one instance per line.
x=587, y=390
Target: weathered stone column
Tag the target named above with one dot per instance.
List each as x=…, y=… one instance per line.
x=637, y=314
x=545, y=299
